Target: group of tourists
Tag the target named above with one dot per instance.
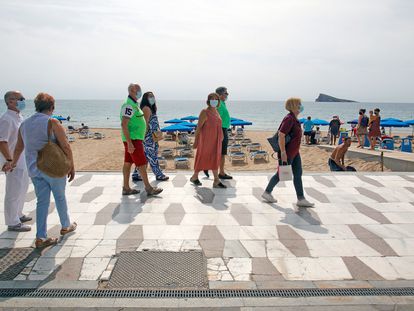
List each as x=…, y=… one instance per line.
x=140, y=135
x=368, y=126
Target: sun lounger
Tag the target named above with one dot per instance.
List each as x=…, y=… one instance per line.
x=162, y=162
x=254, y=147
x=85, y=134
x=99, y=135
x=238, y=157
x=186, y=152
x=246, y=141
x=234, y=148
x=71, y=138
x=168, y=137
x=167, y=153
x=181, y=162
x=258, y=155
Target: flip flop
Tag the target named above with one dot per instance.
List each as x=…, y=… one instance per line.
x=129, y=191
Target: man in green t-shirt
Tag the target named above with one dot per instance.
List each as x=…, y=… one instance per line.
x=225, y=119
x=133, y=132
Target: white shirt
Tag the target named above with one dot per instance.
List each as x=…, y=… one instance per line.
x=10, y=123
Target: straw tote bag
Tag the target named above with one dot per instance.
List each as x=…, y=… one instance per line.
x=51, y=159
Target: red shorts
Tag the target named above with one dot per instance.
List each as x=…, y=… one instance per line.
x=138, y=157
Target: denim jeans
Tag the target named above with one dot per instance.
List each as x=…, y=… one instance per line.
x=334, y=167
x=43, y=185
x=296, y=163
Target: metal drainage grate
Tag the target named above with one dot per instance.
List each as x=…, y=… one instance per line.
x=14, y=260
x=161, y=270
x=282, y=293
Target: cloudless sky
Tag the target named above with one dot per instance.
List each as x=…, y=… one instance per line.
x=184, y=49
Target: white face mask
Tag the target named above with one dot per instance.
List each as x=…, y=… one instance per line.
x=151, y=100
x=213, y=103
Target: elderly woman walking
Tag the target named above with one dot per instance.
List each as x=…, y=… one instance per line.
x=208, y=140
x=289, y=153
x=34, y=134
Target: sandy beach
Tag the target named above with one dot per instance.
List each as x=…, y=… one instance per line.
x=107, y=155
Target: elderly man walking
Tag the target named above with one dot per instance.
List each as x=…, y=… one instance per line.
x=17, y=180
x=134, y=128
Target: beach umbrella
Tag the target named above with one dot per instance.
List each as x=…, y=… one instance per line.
x=320, y=122
x=188, y=124
x=355, y=121
x=410, y=122
x=60, y=118
x=189, y=118
x=176, y=128
x=235, y=119
x=174, y=121
x=392, y=124
x=391, y=119
x=240, y=123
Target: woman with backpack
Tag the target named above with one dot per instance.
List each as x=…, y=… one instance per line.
x=362, y=128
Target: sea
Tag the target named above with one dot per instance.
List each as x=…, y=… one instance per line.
x=265, y=115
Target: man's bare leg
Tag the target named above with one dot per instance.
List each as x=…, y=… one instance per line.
x=126, y=171
x=143, y=172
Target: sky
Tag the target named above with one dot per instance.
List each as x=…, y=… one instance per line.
x=184, y=49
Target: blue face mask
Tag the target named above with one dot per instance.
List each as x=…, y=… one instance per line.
x=21, y=105
x=301, y=108
x=139, y=94
x=213, y=103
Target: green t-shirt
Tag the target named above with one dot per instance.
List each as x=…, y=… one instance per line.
x=224, y=114
x=136, y=125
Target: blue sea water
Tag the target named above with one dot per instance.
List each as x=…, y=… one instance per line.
x=265, y=115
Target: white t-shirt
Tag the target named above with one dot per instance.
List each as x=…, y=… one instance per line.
x=10, y=123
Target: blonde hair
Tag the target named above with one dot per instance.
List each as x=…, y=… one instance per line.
x=292, y=103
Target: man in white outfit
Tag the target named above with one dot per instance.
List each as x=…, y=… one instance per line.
x=17, y=180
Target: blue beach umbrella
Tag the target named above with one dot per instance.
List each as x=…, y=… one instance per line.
x=176, y=128
x=391, y=119
x=391, y=123
x=410, y=122
x=320, y=122
x=235, y=119
x=189, y=118
x=59, y=118
x=187, y=124
x=240, y=123
x=174, y=121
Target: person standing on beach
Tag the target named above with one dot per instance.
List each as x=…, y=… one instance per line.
x=17, y=181
x=225, y=118
x=334, y=126
x=153, y=134
x=134, y=128
x=374, y=128
x=208, y=142
x=336, y=161
x=362, y=128
x=289, y=153
x=307, y=128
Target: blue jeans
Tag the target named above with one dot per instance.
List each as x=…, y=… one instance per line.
x=296, y=163
x=43, y=185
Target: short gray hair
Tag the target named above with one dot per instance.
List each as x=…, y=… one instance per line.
x=221, y=90
x=131, y=85
x=8, y=95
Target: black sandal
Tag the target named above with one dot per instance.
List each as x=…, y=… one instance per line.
x=220, y=185
x=196, y=182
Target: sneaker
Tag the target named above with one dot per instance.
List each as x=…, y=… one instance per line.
x=42, y=243
x=19, y=228
x=304, y=203
x=25, y=218
x=69, y=229
x=268, y=197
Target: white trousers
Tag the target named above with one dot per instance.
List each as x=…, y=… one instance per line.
x=17, y=183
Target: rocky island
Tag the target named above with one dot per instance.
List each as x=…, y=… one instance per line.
x=330, y=99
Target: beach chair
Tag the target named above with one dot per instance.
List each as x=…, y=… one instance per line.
x=234, y=148
x=71, y=138
x=167, y=153
x=186, y=152
x=85, y=134
x=259, y=155
x=238, y=157
x=184, y=140
x=168, y=136
x=162, y=162
x=99, y=135
x=181, y=162
x=239, y=136
x=246, y=141
x=253, y=147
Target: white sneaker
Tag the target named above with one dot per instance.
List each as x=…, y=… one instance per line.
x=304, y=203
x=268, y=197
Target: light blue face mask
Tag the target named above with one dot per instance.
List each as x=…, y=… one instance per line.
x=139, y=94
x=151, y=100
x=301, y=108
x=21, y=105
x=213, y=103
